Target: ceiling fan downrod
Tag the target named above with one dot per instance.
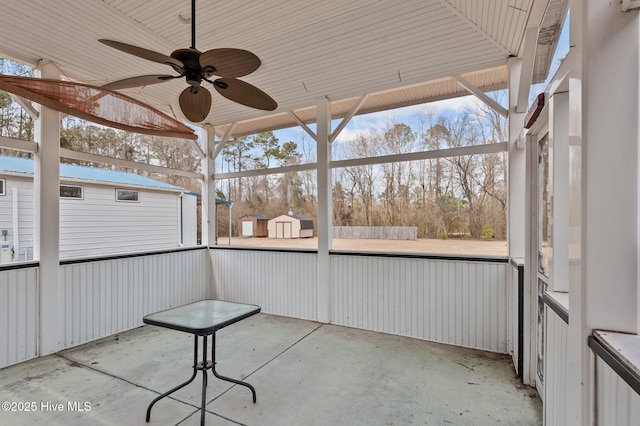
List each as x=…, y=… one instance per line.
x=193, y=24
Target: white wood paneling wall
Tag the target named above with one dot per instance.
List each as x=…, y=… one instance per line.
x=555, y=369
x=281, y=283
x=106, y=297
x=18, y=315
x=616, y=402
x=457, y=302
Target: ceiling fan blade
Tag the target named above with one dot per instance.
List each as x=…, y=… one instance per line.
x=143, y=53
x=244, y=93
x=142, y=80
x=230, y=63
x=195, y=103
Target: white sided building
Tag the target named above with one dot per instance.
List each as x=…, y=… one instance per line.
x=290, y=226
x=102, y=212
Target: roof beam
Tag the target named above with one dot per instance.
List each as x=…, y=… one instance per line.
x=18, y=144
x=26, y=105
x=222, y=142
x=481, y=95
x=348, y=117
x=197, y=148
x=490, y=148
x=526, y=72
x=84, y=156
x=270, y=171
x=304, y=126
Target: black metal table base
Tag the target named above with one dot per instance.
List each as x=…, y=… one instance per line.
x=204, y=365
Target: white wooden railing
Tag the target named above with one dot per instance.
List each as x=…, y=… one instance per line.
x=19, y=296
x=98, y=297
x=555, y=362
x=451, y=300
x=616, y=378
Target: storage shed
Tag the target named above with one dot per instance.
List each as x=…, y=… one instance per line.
x=254, y=225
x=290, y=226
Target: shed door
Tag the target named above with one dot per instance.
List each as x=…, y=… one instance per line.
x=247, y=229
x=283, y=229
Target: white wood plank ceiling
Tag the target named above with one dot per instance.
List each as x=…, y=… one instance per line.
x=399, y=52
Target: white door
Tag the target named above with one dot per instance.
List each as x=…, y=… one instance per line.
x=247, y=229
x=541, y=246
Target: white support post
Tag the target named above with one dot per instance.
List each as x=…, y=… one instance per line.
x=222, y=142
x=526, y=71
x=604, y=111
x=559, y=143
x=325, y=228
x=209, y=188
x=480, y=95
x=348, y=117
x=517, y=232
x=208, y=201
x=516, y=178
x=47, y=220
x=302, y=125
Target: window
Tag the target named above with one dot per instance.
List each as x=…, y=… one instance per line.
x=71, y=191
x=3, y=184
x=453, y=204
x=127, y=195
x=545, y=213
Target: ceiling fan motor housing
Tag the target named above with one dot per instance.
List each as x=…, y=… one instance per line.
x=192, y=69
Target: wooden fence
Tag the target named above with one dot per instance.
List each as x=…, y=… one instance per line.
x=376, y=232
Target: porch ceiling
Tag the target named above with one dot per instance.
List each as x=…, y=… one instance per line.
x=399, y=52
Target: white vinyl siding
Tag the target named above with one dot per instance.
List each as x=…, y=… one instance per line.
x=100, y=225
x=23, y=188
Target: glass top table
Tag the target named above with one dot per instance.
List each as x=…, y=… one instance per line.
x=202, y=319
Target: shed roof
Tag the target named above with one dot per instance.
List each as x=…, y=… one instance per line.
x=84, y=173
x=256, y=216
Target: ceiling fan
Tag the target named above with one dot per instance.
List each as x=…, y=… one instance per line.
x=196, y=67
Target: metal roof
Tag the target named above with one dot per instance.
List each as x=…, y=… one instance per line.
x=398, y=52
x=83, y=173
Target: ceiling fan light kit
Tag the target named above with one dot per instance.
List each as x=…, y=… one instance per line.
x=196, y=67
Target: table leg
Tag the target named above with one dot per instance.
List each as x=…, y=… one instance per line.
x=195, y=372
x=204, y=379
x=228, y=379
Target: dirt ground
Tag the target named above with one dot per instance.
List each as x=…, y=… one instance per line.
x=421, y=245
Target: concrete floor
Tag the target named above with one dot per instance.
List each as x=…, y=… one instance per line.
x=304, y=373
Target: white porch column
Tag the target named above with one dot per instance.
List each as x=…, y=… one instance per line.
x=604, y=124
x=208, y=187
x=517, y=231
x=46, y=182
x=325, y=214
x=517, y=162
x=208, y=201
